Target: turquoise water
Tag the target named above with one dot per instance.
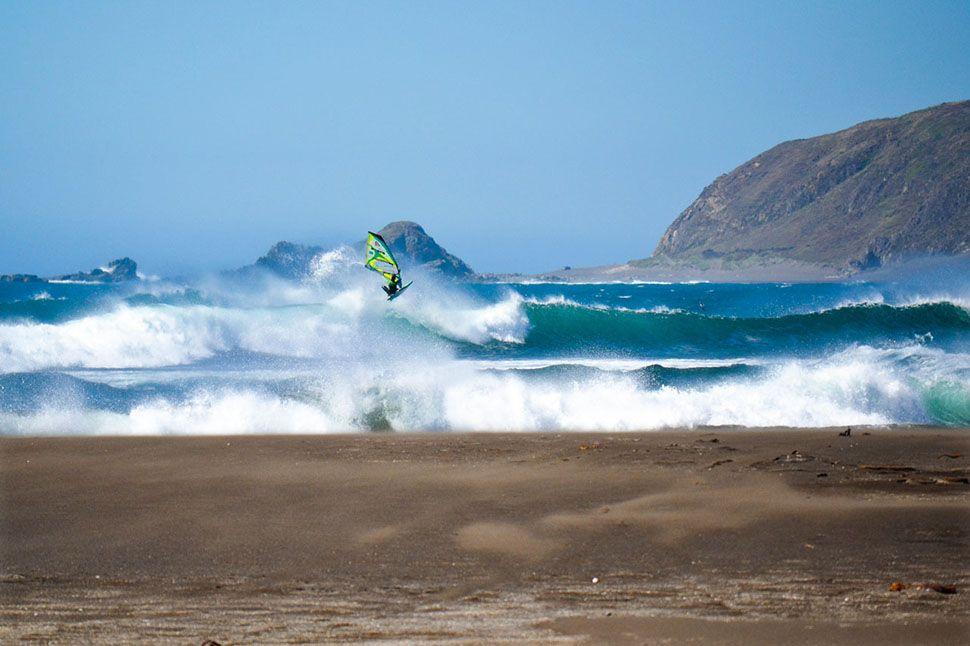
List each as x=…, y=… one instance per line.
x=330, y=354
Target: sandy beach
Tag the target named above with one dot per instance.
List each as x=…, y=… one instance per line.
x=718, y=535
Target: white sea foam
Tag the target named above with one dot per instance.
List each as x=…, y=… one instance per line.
x=656, y=309
x=563, y=301
x=858, y=386
x=122, y=338
x=557, y=299
x=342, y=324
x=871, y=299
x=464, y=319
x=204, y=414
x=905, y=300
x=329, y=263
x=933, y=299
x=154, y=336
x=792, y=395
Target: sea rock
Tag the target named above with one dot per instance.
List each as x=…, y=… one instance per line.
x=116, y=271
x=21, y=278
x=409, y=242
x=289, y=259
x=412, y=246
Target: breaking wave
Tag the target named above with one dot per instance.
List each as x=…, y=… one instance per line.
x=860, y=386
x=332, y=355
x=570, y=327
x=163, y=334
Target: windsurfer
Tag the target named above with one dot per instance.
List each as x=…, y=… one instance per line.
x=392, y=286
x=380, y=259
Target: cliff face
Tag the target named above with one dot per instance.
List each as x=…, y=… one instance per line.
x=878, y=192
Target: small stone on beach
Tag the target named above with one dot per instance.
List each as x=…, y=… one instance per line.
x=899, y=586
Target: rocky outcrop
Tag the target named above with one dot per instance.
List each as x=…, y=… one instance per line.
x=289, y=259
x=116, y=271
x=409, y=242
x=879, y=192
x=412, y=246
x=21, y=278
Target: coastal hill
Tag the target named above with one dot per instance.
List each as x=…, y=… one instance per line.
x=409, y=242
x=116, y=271
x=885, y=193
x=879, y=192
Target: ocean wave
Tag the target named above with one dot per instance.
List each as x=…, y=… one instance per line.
x=914, y=300
x=42, y=307
x=906, y=300
x=560, y=300
x=608, y=365
x=237, y=354
x=143, y=332
x=178, y=328
x=153, y=336
x=554, y=299
x=872, y=299
x=572, y=327
x=851, y=388
x=461, y=319
x=858, y=386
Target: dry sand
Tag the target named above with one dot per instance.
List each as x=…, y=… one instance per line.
x=713, y=535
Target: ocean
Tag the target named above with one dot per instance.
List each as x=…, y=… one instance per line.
x=330, y=354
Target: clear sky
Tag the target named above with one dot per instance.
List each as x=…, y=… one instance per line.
x=523, y=135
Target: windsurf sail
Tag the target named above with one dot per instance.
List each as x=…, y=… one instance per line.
x=380, y=259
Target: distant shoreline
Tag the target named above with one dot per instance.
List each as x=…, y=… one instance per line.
x=638, y=272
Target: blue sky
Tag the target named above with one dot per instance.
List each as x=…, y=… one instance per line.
x=523, y=135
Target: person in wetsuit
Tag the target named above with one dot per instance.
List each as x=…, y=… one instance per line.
x=392, y=287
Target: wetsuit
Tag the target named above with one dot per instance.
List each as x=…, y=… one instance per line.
x=391, y=287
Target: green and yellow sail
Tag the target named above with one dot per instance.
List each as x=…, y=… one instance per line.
x=380, y=259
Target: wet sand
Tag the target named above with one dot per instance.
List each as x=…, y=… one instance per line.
x=714, y=535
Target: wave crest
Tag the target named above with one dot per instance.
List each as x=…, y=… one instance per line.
x=859, y=386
